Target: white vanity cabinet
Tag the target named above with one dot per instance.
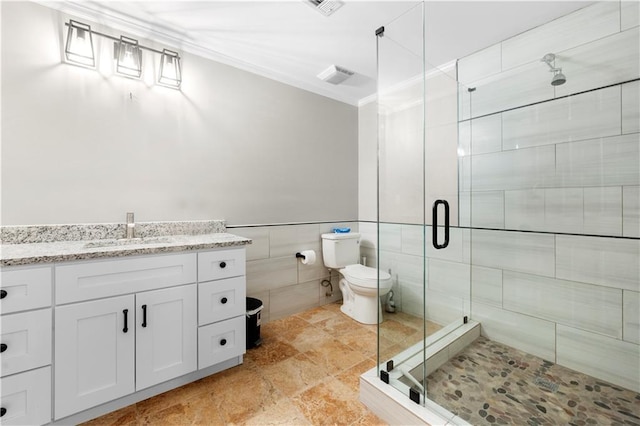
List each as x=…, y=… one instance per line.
x=25, y=346
x=108, y=348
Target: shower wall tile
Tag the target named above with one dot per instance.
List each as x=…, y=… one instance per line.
x=611, y=262
x=487, y=209
x=514, y=251
x=287, y=301
x=563, y=210
x=630, y=11
x=599, y=162
x=524, y=209
x=520, y=169
x=290, y=239
x=368, y=234
x=464, y=138
x=451, y=278
x=486, y=285
x=267, y=274
x=259, y=247
x=443, y=308
x=631, y=107
x=486, y=134
x=611, y=60
x=585, y=306
x=456, y=251
x=631, y=211
x=603, y=210
x=413, y=239
x=529, y=334
x=464, y=173
x=585, y=116
x=600, y=356
x=405, y=269
x=480, y=65
x=631, y=316
x=413, y=300
x=583, y=26
x=391, y=237
x=464, y=200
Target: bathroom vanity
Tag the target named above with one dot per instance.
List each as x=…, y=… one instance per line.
x=92, y=326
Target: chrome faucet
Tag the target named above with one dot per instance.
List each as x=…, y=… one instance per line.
x=131, y=226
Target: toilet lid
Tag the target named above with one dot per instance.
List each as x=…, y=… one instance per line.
x=364, y=276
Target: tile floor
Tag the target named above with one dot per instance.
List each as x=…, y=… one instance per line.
x=305, y=372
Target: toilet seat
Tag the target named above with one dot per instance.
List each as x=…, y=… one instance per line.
x=365, y=276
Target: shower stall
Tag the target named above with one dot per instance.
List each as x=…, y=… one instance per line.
x=509, y=219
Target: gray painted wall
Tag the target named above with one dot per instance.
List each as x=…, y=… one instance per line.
x=83, y=145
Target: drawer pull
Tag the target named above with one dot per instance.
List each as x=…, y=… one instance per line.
x=144, y=315
x=126, y=327
x=3, y=411
x=3, y=294
x=3, y=347
x=223, y=342
x=223, y=264
x=223, y=300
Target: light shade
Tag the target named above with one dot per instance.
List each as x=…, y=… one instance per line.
x=170, y=73
x=79, y=47
x=128, y=57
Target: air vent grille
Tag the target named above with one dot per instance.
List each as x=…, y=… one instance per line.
x=335, y=74
x=326, y=7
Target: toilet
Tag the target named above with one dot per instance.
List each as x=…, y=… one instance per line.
x=359, y=283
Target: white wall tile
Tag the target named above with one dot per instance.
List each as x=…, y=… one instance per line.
x=480, y=65
x=599, y=356
x=520, y=169
x=390, y=237
x=267, y=274
x=312, y=272
x=464, y=208
x=371, y=254
x=611, y=60
x=451, y=278
x=487, y=209
x=631, y=107
x=443, y=308
x=599, y=162
x=486, y=285
x=259, y=247
x=464, y=138
x=532, y=335
x=290, y=239
x=563, y=210
x=413, y=300
x=630, y=11
x=368, y=234
x=583, y=26
x=464, y=173
x=584, y=306
x=515, y=251
x=585, y=116
x=486, y=134
x=405, y=269
x=413, y=239
x=524, y=209
x=611, y=262
x=631, y=211
x=631, y=316
x=603, y=210
x=456, y=251
x=290, y=300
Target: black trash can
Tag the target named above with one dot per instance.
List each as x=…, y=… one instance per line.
x=254, y=312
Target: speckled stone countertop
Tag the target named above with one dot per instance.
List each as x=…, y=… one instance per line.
x=24, y=245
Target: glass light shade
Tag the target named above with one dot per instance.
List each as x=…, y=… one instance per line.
x=170, y=73
x=128, y=57
x=79, y=47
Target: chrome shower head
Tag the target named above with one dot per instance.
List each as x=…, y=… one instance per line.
x=558, y=78
x=548, y=58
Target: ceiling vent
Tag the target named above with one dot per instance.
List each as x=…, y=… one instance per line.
x=335, y=74
x=326, y=7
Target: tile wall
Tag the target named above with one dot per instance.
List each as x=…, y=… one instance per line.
x=276, y=277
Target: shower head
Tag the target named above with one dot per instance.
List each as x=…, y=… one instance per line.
x=548, y=58
x=558, y=78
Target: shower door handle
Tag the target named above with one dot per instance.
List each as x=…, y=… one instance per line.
x=434, y=224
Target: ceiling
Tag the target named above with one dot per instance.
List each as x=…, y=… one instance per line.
x=291, y=42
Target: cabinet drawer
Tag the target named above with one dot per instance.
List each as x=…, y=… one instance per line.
x=218, y=264
x=25, y=289
x=222, y=299
x=27, y=337
x=221, y=341
x=93, y=280
x=27, y=397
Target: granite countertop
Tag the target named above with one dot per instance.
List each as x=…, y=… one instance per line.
x=26, y=245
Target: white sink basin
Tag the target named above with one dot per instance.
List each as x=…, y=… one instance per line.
x=127, y=242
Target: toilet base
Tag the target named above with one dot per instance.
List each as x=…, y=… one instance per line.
x=365, y=310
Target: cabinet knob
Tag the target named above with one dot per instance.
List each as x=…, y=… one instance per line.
x=3, y=411
x=223, y=264
x=223, y=300
x=3, y=294
x=3, y=347
x=223, y=342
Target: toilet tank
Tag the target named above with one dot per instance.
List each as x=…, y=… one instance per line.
x=340, y=250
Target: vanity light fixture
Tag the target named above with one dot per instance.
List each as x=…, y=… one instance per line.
x=170, y=72
x=79, y=47
x=128, y=57
x=127, y=53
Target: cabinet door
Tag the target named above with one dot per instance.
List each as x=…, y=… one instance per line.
x=26, y=398
x=166, y=334
x=94, y=353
